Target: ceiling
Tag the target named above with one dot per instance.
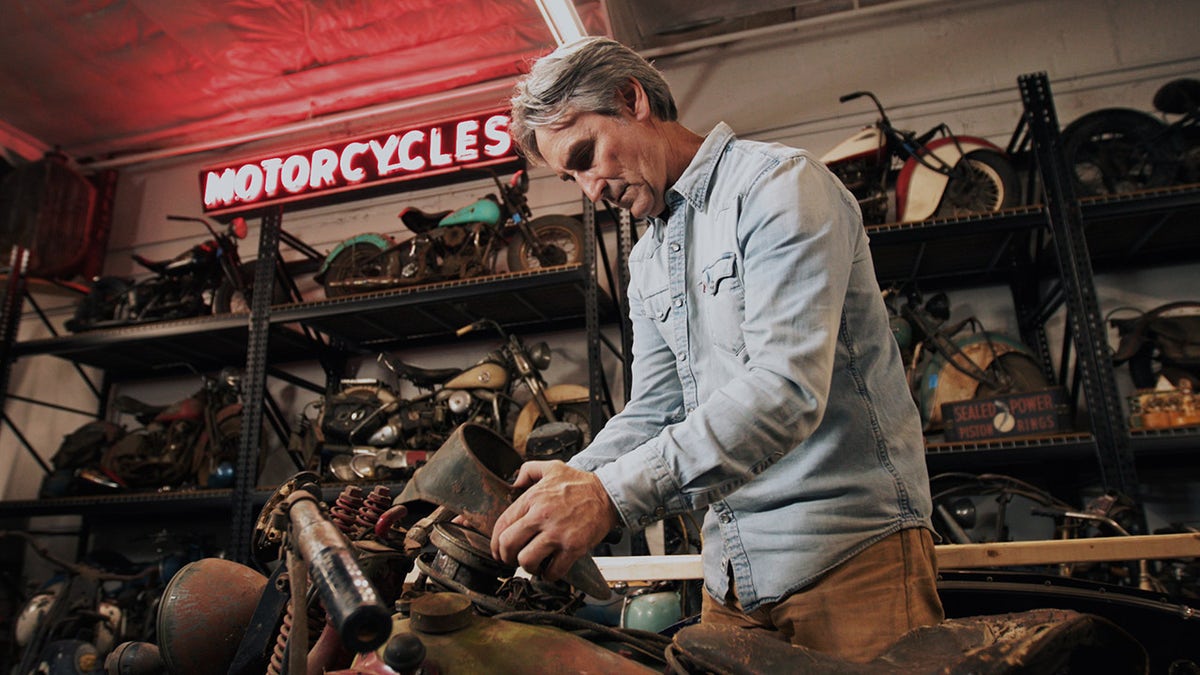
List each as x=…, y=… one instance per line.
x=102, y=80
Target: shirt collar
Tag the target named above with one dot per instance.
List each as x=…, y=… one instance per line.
x=696, y=181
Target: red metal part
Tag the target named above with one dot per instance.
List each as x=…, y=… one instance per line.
x=204, y=613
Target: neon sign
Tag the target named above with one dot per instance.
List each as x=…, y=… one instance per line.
x=418, y=152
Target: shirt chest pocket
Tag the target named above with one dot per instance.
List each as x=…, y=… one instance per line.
x=723, y=303
x=657, y=307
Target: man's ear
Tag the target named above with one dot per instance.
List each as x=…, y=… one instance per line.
x=633, y=98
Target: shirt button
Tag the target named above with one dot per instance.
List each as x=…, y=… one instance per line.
x=660, y=512
x=644, y=520
x=675, y=247
x=679, y=302
x=691, y=409
x=725, y=518
x=683, y=357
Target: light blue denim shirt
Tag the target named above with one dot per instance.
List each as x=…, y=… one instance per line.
x=766, y=382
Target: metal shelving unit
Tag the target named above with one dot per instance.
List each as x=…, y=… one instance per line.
x=1062, y=239
x=565, y=296
x=1047, y=253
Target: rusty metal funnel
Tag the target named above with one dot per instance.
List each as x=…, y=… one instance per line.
x=471, y=475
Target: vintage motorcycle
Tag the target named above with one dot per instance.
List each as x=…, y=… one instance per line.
x=192, y=441
x=1120, y=150
x=947, y=363
x=934, y=174
x=368, y=430
x=208, y=278
x=338, y=602
x=454, y=244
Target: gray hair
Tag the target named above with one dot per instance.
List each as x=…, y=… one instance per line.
x=583, y=76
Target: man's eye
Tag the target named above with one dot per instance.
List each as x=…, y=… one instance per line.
x=567, y=178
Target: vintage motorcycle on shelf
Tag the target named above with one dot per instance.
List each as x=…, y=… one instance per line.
x=192, y=441
x=936, y=174
x=208, y=278
x=369, y=430
x=948, y=363
x=1121, y=150
x=456, y=244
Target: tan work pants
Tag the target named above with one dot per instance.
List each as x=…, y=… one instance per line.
x=859, y=608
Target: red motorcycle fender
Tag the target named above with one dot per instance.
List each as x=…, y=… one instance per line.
x=559, y=393
x=919, y=188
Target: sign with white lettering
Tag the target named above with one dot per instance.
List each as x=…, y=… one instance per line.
x=1036, y=413
x=418, y=152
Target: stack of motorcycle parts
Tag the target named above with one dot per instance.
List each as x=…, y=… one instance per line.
x=1164, y=408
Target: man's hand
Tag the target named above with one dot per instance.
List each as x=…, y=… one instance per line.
x=559, y=519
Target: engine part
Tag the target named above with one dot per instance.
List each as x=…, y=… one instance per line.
x=469, y=475
x=134, y=658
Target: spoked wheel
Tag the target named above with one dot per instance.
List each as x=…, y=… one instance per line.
x=984, y=182
x=361, y=260
x=560, y=239
x=229, y=299
x=1118, y=151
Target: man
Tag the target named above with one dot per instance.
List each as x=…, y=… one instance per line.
x=766, y=383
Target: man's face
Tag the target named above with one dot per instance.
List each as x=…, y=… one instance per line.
x=618, y=159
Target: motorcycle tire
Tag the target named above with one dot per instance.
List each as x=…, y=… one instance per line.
x=561, y=238
x=360, y=260
x=1117, y=151
x=228, y=299
x=990, y=183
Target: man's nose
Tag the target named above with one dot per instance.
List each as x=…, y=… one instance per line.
x=592, y=187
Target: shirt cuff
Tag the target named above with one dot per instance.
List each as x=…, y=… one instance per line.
x=641, y=488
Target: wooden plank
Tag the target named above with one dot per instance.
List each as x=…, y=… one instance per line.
x=642, y=569
x=1096, y=549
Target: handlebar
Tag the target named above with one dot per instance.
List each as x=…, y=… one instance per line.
x=479, y=324
x=237, y=226
x=355, y=608
x=1079, y=515
x=878, y=106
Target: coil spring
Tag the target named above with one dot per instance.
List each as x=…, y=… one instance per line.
x=316, y=622
x=275, y=667
x=373, y=506
x=345, y=510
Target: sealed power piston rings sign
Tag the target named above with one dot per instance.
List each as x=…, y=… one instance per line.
x=1035, y=413
x=420, y=151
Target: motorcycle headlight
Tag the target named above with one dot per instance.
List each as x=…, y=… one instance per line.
x=539, y=355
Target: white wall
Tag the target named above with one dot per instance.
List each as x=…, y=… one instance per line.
x=955, y=62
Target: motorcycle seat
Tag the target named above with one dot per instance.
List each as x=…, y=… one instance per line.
x=177, y=266
x=421, y=221
x=1178, y=97
x=156, y=266
x=143, y=412
x=1037, y=641
x=425, y=377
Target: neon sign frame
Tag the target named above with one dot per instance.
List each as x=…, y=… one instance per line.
x=420, y=151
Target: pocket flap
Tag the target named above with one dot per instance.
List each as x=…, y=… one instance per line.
x=723, y=268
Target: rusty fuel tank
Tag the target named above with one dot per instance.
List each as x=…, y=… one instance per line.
x=444, y=635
